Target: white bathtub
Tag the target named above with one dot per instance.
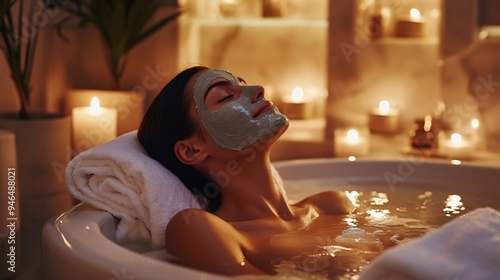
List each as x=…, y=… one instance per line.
x=79, y=244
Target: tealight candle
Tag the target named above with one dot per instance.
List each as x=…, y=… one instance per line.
x=412, y=26
x=384, y=119
x=93, y=125
x=350, y=143
x=297, y=106
x=457, y=148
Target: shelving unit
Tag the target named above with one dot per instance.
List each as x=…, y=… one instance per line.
x=280, y=53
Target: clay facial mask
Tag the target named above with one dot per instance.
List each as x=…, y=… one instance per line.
x=232, y=125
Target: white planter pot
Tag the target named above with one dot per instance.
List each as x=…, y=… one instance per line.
x=43, y=150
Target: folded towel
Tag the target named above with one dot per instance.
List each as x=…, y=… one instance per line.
x=121, y=178
x=467, y=247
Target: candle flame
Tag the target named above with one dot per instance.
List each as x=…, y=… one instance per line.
x=414, y=13
x=384, y=106
x=456, y=138
x=298, y=94
x=352, y=135
x=94, y=106
x=474, y=123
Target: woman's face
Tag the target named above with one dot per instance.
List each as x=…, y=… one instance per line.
x=234, y=114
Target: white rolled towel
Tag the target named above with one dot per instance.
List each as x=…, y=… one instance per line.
x=121, y=178
x=467, y=247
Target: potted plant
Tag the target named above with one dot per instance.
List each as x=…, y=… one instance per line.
x=122, y=24
x=41, y=138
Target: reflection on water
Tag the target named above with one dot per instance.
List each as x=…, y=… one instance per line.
x=381, y=220
x=453, y=205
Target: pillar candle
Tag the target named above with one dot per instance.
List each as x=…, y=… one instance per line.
x=128, y=104
x=93, y=125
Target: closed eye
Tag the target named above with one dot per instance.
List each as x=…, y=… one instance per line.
x=226, y=98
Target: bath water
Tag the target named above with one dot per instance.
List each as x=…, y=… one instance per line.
x=385, y=216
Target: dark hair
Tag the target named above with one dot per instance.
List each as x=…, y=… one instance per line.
x=167, y=121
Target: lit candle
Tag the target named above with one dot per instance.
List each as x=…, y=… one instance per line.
x=350, y=143
x=412, y=26
x=384, y=119
x=297, y=106
x=475, y=133
x=129, y=105
x=457, y=148
x=93, y=125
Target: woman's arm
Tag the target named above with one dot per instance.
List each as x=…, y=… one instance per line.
x=203, y=241
x=330, y=202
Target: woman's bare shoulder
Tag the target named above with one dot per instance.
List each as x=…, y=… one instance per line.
x=202, y=240
x=194, y=227
x=330, y=202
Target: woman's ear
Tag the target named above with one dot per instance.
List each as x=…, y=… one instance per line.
x=189, y=152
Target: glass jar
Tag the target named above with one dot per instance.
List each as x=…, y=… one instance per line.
x=423, y=134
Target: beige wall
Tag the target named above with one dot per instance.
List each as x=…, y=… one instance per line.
x=79, y=63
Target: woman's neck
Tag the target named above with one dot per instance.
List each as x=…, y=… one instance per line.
x=249, y=191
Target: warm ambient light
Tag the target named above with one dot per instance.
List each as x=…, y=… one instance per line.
x=95, y=108
x=384, y=118
x=456, y=139
x=415, y=13
x=411, y=25
x=351, y=142
x=297, y=105
x=352, y=135
x=384, y=106
x=453, y=205
x=474, y=123
x=93, y=126
x=455, y=147
x=298, y=94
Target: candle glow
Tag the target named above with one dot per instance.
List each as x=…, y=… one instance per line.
x=456, y=147
x=415, y=13
x=352, y=135
x=384, y=118
x=350, y=143
x=474, y=123
x=411, y=25
x=297, y=106
x=456, y=139
x=298, y=94
x=384, y=106
x=93, y=125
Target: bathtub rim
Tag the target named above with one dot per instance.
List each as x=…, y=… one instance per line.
x=143, y=266
x=68, y=235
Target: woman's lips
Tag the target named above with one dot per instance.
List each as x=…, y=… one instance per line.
x=263, y=108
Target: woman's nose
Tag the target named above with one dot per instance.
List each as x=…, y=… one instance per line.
x=258, y=94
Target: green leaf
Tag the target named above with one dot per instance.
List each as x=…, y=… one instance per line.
x=122, y=24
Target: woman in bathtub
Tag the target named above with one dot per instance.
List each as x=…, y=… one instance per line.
x=215, y=133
